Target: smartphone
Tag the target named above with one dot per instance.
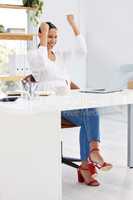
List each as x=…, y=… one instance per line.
x=8, y=99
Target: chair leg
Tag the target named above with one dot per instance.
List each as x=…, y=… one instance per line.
x=72, y=159
x=69, y=162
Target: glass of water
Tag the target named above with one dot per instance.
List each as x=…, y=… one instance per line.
x=30, y=89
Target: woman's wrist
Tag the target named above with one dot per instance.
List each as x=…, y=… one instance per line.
x=75, y=29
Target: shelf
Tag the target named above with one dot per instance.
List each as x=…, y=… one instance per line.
x=11, y=78
x=16, y=36
x=11, y=6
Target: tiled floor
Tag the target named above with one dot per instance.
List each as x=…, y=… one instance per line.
x=116, y=184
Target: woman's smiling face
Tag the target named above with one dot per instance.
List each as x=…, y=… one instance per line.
x=52, y=38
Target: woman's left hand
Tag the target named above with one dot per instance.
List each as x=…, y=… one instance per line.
x=70, y=19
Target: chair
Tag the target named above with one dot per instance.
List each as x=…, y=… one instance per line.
x=126, y=72
x=67, y=124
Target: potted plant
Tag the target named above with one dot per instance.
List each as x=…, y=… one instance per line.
x=38, y=5
x=2, y=28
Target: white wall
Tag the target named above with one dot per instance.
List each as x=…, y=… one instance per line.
x=107, y=27
x=110, y=39
x=55, y=11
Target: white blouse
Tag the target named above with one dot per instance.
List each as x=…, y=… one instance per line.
x=53, y=74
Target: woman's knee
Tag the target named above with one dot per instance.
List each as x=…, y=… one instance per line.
x=91, y=112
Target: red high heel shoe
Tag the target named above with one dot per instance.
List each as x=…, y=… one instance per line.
x=81, y=179
x=92, y=169
x=103, y=166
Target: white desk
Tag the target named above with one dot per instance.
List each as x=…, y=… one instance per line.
x=30, y=157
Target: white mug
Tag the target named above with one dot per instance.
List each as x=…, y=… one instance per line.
x=62, y=91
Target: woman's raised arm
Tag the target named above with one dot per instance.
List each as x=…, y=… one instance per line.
x=81, y=47
x=71, y=21
x=43, y=34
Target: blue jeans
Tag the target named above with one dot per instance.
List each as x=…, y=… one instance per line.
x=88, y=120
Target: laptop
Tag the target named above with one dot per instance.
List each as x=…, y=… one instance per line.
x=101, y=90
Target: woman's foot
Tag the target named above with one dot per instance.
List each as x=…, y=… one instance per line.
x=85, y=176
x=96, y=158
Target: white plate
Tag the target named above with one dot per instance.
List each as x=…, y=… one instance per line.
x=45, y=93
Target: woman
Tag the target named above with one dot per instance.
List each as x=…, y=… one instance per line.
x=47, y=68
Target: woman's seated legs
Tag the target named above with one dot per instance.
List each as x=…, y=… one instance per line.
x=88, y=119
